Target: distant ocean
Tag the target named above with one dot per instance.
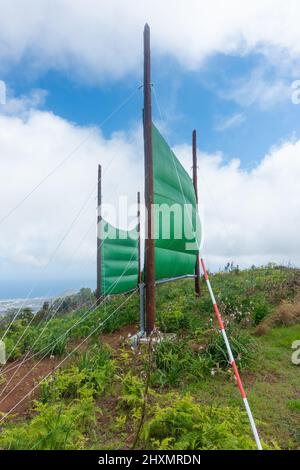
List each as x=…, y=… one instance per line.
x=31, y=293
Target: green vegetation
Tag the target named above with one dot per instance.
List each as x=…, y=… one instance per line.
x=53, y=426
x=184, y=424
x=97, y=400
x=52, y=334
x=88, y=377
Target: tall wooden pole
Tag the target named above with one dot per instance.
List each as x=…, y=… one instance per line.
x=139, y=236
x=195, y=182
x=149, y=199
x=99, y=237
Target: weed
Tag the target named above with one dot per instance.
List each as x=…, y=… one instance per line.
x=171, y=321
x=176, y=361
x=260, y=308
x=186, y=425
x=89, y=377
x=243, y=345
x=294, y=405
x=132, y=392
x=55, y=426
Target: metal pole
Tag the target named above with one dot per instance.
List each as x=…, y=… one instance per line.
x=173, y=279
x=140, y=282
x=231, y=359
x=142, y=308
x=195, y=182
x=99, y=241
x=149, y=238
x=139, y=236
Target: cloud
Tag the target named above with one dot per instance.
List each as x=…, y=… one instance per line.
x=249, y=216
x=50, y=224
x=223, y=123
x=22, y=105
x=96, y=40
x=259, y=90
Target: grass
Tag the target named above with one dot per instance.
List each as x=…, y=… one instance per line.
x=270, y=388
x=192, y=401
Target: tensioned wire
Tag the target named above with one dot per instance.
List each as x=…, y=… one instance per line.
x=231, y=361
x=91, y=310
x=25, y=358
x=113, y=188
x=19, y=310
x=179, y=181
x=49, y=346
x=48, y=263
x=22, y=335
x=42, y=181
x=77, y=216
x=36, y=285
x=18, y=366
x=15, y=317
x=118, y=108
x=83, y=141
x=5, y=370
x=48, y=349
x=201, y=176
x=181, y=191
x=69, y=354
x=35, y=365
x=57, y=247
x=62, y=300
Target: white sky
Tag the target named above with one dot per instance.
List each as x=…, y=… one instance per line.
x=249, y=216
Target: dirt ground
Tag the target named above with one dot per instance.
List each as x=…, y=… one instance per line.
x=28, y=374
x=19, y=396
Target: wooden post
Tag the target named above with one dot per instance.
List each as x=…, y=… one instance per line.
x=140, y=279
x=195, y=182
x=99, y=238
x=139, y=236
x=149, y=199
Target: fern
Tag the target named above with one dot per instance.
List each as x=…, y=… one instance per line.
x=186, y=425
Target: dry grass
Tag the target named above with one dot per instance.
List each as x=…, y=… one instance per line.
x=286, y=314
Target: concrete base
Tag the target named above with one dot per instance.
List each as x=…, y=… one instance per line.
x=142, y=338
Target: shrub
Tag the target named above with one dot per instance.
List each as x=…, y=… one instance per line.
x=171, y=321
x=287, y=313
x=89, y=377
x=186, y=425
x=96, y=356
x=260, y=308
x=54, y=427
x=176, y=361
x=65, y=384
x=50, y=342
x=132, y=392
x=13, y=351
x=180, y=361
x=171, y=361
x=294, y=405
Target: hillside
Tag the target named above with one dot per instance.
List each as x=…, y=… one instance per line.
x=94, y=392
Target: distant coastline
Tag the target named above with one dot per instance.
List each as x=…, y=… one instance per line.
x=34, y=304
x=33, y=293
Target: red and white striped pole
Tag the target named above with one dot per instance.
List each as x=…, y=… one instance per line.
x=231, y=359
